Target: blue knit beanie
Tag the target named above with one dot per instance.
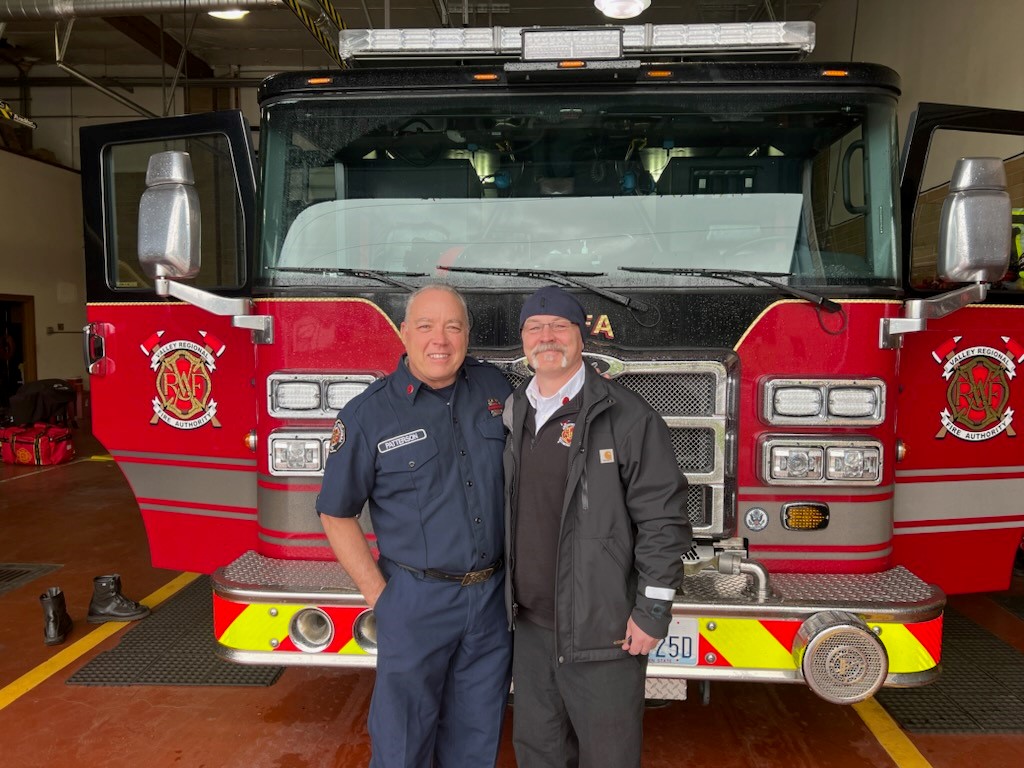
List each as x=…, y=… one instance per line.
x=552, y=300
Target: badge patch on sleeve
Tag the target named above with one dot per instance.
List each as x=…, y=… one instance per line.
x=607, y=456
x=337, y=436
x=568, y=427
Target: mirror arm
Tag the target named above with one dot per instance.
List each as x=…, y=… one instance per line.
x=240, y=310
x=918, y=312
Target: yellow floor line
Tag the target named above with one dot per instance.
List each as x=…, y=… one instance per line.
x=55, y=664
x=892, y=738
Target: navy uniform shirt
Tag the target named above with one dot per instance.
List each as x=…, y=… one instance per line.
x=429, y=462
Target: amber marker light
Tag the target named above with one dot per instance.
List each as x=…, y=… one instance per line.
x=659, y=73
x=835, y=73
x=572, y=64
x=805, y=516
x=318, y=81
x=485, y=77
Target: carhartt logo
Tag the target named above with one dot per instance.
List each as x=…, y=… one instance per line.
x=607, y=456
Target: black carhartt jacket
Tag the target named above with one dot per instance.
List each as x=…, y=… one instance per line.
x=624, y=528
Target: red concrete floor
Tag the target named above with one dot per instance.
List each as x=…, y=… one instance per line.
x=82, y=516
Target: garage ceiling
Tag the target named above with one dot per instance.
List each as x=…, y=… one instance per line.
x=104, y=37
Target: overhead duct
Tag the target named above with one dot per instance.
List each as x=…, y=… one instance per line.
x=311, y=13
x=13, y=10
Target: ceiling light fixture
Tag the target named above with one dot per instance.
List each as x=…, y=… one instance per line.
x=622, y=9
x=232, y=15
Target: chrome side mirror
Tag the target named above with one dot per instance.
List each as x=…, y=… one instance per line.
x=975, y=229
x=169, y=221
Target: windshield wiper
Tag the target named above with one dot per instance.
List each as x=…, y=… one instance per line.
x=737, y=276
x=367, y=274
x=560, y=277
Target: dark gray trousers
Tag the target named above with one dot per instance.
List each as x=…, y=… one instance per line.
x=574, y=715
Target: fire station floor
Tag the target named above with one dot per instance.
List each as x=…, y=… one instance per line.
x=82, y=518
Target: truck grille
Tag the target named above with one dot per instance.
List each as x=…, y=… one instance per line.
x=693, y=396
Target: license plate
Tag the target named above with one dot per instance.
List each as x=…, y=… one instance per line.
x=679, y=646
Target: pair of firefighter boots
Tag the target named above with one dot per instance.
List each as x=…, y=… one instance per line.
x=107, y=604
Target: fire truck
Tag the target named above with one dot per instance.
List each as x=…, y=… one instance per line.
x=831, y=337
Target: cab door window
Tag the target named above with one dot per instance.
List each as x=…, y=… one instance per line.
x=223, y=232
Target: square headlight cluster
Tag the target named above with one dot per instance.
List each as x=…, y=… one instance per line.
x=311, y=395
x=298, y=453
x=824, y=401
x=809, y=460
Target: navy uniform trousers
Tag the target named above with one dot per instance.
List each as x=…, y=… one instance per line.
x=436, y=637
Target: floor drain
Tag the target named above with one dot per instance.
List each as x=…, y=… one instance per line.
x=14, y=575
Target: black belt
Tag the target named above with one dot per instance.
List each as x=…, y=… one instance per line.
x=465, y=579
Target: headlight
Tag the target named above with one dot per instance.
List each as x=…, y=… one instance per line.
x=797, y=401
x=340, y=392
x=297, y=453
x=852, y=463
x=297, y=396
x=796, y=463
x=813, y=460
x=824, y=401
x=312, y=395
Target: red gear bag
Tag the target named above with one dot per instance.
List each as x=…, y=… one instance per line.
x=40, y=445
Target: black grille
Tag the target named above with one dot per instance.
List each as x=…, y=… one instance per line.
x=513, y=378
x=698, y=505
x=674, y=394
x=695, y=449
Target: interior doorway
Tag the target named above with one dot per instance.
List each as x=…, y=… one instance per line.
x=17, y=345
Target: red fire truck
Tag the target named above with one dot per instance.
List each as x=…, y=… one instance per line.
x=829, y=328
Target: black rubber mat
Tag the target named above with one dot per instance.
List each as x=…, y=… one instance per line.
x=981, y=689
x=14, y=575
x=174, y=645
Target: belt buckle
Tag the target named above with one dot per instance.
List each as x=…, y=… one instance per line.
x=475, y=577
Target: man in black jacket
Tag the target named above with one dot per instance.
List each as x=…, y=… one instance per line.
x=595, y=533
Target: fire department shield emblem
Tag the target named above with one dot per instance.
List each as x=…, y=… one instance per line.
x=183, y=382
x=337, y=436
x=978, y=392
x=566, y=437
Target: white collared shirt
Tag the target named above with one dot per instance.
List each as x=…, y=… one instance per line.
x=544, y=407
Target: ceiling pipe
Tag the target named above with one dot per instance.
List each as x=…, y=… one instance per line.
x=60, y=44
x=20, y=10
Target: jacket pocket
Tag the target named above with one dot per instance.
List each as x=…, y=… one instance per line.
x=601, y=603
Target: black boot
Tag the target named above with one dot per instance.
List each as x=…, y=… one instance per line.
x=56, y=621
x=108, y=604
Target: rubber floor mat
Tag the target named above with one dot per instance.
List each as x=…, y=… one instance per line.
x=980, y=690
x=14, y=575
x=174, y=645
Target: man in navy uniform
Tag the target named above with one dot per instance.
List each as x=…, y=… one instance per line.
x=423, y=446
x=596, y=534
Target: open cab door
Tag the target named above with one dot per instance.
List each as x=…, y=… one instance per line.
x=171, y=366
x=960, y=340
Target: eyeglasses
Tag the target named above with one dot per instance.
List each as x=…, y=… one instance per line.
x=557, y=327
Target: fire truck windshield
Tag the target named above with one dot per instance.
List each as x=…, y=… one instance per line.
x=796, y=183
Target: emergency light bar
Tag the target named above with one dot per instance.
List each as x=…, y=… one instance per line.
x=535, y=44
